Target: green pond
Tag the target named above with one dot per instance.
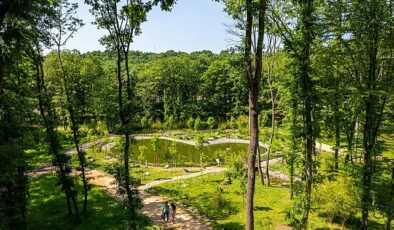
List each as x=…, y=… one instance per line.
x=188, y=154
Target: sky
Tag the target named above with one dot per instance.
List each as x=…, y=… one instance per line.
x=192, y=25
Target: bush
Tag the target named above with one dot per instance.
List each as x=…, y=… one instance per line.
x=170, y=122
x=243, y=124
x=233, y=123
x=211, y=122
x=190, y=123
x=102, y=129
x=264, y=118
x=223, y=125
x=144, y=123
x=338, y=198
x=157, y=125
x=197, y=123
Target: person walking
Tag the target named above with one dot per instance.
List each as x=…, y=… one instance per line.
x=165, y=212
x=173, y=212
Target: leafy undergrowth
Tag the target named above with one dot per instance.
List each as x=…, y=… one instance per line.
x=47, y=209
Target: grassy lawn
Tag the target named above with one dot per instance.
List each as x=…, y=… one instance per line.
x=40, y=155
x=227, y=209
x=227, y=212
x=388, y=150
x=47, y=209
x=159, y=173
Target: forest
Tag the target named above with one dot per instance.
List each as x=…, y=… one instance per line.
x=292, y=127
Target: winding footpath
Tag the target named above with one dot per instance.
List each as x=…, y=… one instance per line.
x=185, y=219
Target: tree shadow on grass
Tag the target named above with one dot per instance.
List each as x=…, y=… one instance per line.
x=48, y=210
x=353, y=223
x=231, y=226
x=260, y=208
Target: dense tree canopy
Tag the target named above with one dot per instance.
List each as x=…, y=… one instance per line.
x=304, y=74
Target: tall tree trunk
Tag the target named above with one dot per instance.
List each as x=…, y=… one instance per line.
x=127, y=136
x=49, y=120
x=253, y=145
x=128, y=80
x=367, y=168
x=373, y=115
x=271, y=139
x=3, y=133
x=76, y=208
x=70, y=212
x=373, y=119
x=126, y=153
x=259, y=166
x=357, y=142
x=74, y=127
x=294, y=138
x=306, y=22
x=127, y=179
x=337, y=116
x=254, y=78
x=391, y=205
x=350, y=138
x=337, y=132
x=2, y=70
x=4, y=8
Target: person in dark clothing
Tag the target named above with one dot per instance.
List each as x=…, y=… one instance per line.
x=165, y=212
x=173, y=212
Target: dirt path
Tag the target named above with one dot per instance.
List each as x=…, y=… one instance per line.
x=152, y=204
x=326, y=148
x=185, y=219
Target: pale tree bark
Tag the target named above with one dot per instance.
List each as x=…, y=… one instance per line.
x=272, y=47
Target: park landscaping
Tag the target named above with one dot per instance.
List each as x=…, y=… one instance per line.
x=217, y=197
x=288, y=127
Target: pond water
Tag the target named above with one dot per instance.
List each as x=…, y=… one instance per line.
x=188, y=154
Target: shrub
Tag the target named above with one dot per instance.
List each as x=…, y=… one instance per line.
x=233, y=123
x=197, y=123
x=190, y=123
x=223, y=126
x=141, y=157
x=144, y=122
x=83, y=130
x=211, y=122
x=243, y=124
x=157, y=125
x=338, y=198
x=170, y=122
x=102, y=129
